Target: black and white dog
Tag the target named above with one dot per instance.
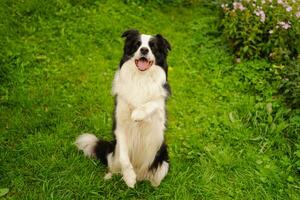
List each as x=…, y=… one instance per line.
x=141, y=89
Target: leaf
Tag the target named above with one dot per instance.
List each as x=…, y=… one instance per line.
x=231, y=117
x=290, y=179
x=3, y=191
x=297, y=153
x=270, y=119
x=245, y=49
x=269, y=108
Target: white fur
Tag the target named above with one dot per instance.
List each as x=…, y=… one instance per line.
x=160, y=173
x=87, y=142
x=108, y=176
x=140, y=117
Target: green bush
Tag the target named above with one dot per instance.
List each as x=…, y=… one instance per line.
x=268, y=29
x=270, y=82
x=271, y=30
x=290, y=84
x=164, y=2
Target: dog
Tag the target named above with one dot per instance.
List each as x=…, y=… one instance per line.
x=141, y=89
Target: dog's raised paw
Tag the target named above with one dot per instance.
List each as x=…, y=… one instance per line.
x=138, y=115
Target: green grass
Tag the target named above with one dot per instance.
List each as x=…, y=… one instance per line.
x=57, y=63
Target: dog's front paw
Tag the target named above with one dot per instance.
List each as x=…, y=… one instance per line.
x=108, y=176
x=138, y=115
x=129, y=177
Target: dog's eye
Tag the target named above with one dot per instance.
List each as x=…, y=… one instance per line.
x=152, y=44
x=138, y=43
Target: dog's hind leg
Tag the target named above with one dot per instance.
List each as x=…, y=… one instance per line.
x=159, y=174
x=160, y=166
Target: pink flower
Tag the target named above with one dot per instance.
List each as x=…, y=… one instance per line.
x=237, y=5
x=288, y=8
x=260, y=13
x=285, y=25
x=298, y=14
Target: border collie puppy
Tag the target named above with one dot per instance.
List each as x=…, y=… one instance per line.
x=141, y=89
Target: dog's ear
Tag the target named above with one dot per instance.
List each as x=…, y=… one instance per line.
x=130, y=32
x=163, y=43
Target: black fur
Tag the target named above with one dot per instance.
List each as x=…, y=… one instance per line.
x=167, y=87
x=132, y=43
x=160, y=48
x=103, y=148
x=114, y=125
x=161, y=155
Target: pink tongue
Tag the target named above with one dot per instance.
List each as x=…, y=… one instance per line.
x=142, y=64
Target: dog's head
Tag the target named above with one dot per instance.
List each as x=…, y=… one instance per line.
x=145, y=50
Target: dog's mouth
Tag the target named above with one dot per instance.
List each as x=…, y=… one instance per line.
x=143, y=63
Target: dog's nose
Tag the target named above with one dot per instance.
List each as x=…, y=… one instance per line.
x=144, y=50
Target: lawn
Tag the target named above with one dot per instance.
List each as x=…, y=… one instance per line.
x=58, y=60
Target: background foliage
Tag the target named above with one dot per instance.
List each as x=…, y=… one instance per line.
x=268, y=29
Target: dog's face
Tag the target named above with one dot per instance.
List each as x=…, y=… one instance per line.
x=145, y=50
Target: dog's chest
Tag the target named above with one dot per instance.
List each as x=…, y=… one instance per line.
x=138, y=88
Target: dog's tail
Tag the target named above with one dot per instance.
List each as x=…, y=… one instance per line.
x=94, y=147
